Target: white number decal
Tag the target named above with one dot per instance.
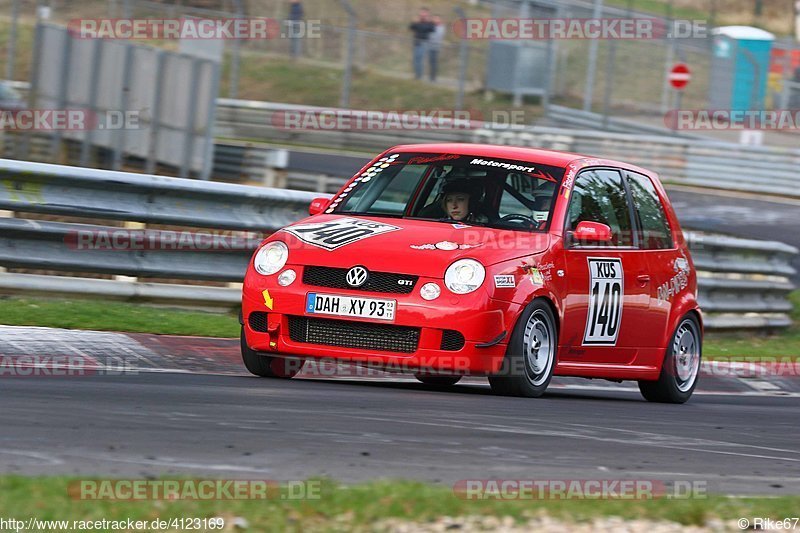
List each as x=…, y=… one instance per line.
x=338, y=232
x=606, y=291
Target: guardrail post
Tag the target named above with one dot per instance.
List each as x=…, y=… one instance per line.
x=136, y=226
x=5, y=214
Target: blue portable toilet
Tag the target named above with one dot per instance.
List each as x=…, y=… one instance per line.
x=739, y=67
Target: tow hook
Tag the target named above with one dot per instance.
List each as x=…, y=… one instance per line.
x=273, y=330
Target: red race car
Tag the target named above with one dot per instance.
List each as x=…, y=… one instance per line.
x=445, y=260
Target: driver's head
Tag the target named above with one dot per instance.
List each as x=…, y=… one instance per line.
x=456, y=195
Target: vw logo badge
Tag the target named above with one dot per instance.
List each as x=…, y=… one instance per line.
x=357, y=276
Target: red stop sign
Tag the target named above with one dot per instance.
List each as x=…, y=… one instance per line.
x=679, y=76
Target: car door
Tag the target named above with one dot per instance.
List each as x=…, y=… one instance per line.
x=668, y=268
x=608, y=291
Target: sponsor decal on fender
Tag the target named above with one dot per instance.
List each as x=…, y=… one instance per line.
x=445, y=245
x=539, y=274
x=676, y=283
x=503, y=281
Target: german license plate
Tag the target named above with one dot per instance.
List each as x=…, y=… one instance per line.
x=330, y=304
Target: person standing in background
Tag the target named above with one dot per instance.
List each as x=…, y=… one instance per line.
x=295, y=24
x=435, y=45
x=421, y=27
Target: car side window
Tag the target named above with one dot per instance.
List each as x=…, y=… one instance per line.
x=654, y=230
x=537, y=196
x=599, y=196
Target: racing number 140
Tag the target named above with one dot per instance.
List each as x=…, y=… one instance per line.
x=605, y=301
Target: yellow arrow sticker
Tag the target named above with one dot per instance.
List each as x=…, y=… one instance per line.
x=267, y=298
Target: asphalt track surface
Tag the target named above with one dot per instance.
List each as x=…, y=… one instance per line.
x=205, y=416
x=220, y=422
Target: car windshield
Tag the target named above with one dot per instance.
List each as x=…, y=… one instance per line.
x=451, y=188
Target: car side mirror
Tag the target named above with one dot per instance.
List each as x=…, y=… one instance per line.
x=591, y=233
x=318, y=205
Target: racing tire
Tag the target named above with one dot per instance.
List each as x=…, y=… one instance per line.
x=531, y=354
x=438, y=381
x=267, y=366
x=681, y=366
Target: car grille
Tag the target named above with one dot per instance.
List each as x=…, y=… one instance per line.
x=452, y=340
x=351, y=334
x=258, y=321
x=377, y=282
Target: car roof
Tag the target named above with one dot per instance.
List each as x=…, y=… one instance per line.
x=554, y=158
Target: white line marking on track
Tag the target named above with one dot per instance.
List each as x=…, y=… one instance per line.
x=166, y=462
x=555, y=387
x=45, y=457
x=628, y=441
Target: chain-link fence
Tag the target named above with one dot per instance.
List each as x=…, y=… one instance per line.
x=616, y=77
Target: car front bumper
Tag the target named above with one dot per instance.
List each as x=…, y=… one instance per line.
x=422, y=336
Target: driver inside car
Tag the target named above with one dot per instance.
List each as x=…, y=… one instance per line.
x=459, y=201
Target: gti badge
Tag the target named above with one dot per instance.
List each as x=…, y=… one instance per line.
x=357, y=276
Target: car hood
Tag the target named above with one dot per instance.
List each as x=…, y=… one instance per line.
x=417, y=247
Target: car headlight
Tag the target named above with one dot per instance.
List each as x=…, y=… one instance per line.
x=271, y=258
x=464, y=276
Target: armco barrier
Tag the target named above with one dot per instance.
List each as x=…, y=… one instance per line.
x=687, y=160
x=743, y=283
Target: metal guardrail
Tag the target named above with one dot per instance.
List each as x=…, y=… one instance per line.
x=690, y=161
x=92, y=193
x=233, y=160
x=687, y=160
x=743, y=283
x=561, y=116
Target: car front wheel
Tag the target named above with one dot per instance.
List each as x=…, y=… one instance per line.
x=266, y=366
x=681, y=366
x=531, y=354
